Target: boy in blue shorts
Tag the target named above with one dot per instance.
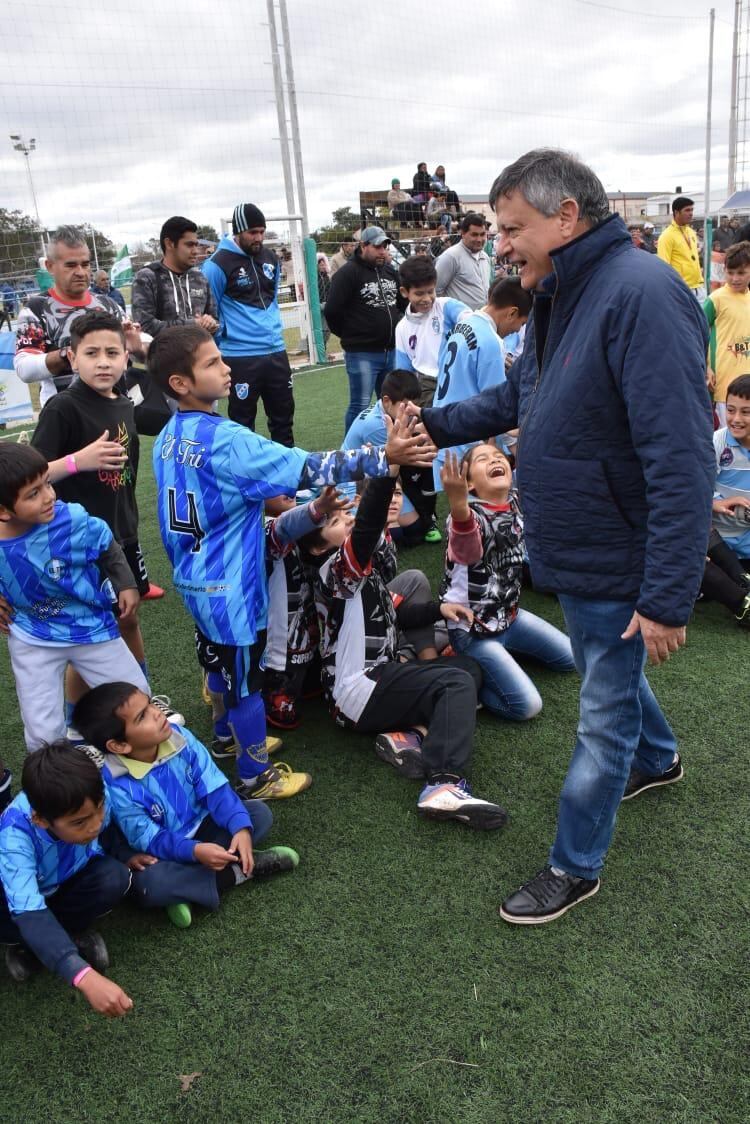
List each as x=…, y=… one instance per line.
x=60, y=570
x=55, y=879
x=213, y=477
x=193, y=835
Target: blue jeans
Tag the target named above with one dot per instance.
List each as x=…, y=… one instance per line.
x=168, y=883
x=366, y=371
x=620, y=724
x=507, y=689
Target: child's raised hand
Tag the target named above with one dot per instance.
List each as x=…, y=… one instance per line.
x=331, y=500
x=213, y=856
x=104, y=995
x=403, y=446
x=456, y=613
x=103, y=454
x=454, y=478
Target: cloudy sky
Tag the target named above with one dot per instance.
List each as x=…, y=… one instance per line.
x=146, y=108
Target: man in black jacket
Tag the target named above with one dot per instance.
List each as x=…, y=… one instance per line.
x=363, y=308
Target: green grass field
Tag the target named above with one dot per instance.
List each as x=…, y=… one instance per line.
x=377, y=983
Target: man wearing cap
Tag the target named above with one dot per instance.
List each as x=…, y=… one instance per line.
x=244, y=278
x=648, y=242
x=363, y=308
x=678, y=246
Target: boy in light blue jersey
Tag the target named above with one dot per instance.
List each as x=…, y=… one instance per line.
x=426, y=324
x=55, y=879
x=60, y=570
x=213, y=477
x=472, y=357
x=193, y=835
x=731, y=506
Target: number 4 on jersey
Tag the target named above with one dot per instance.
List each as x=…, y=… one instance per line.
x=191, y=525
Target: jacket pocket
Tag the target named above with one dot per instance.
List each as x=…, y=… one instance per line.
x=584, y=523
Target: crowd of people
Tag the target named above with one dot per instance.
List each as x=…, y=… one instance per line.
x=551, y=396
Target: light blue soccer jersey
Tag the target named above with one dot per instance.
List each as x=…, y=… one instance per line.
x=471, y=359
x=33, y=863
x=732, y=479
x=170, y=796
x=213, y=477
x=50, y=577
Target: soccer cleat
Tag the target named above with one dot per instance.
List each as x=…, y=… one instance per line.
x=277, y=782
x=433, y=535
x=546, y=897
x=75, y=737
x=281, y=711
x=21, y=962
x=743, y=617
x=275, y=860
x=403, y=750
x=164, y=703
x=153, y=593
x=454, y=801
x=273, y=745
x=93, y=949
x=179, y=914
x=227, y=747
x=639, y=782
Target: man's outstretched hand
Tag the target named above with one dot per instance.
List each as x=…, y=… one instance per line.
x=661, y=640
x=405, y=446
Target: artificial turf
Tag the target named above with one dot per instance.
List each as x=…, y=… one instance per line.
x=377, y=983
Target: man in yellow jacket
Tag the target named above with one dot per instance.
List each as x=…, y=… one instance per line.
x=678, y=246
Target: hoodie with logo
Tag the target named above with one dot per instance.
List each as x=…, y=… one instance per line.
x=245, y=288
x=364, y=305
x=162, y=297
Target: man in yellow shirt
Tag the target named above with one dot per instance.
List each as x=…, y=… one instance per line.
x=728, y=314
x=678, y=246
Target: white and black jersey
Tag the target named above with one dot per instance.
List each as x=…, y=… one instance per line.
x=490, y=587
x=292, y=636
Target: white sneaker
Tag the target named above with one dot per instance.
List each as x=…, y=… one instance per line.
x=456, y=802
x=164, y=704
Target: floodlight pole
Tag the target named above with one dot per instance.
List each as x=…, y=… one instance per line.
x=707, y=187
x=293, y=117
x=734, y=103
x=286, y=161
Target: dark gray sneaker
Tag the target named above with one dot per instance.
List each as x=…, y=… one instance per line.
x=21, y=962
x=547, y=897
x=93, y=950
x=638, y=782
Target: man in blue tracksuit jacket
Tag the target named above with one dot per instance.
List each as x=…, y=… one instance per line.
x=244, y=279
x=615, y=471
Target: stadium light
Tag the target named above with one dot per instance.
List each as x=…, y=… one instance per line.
x=20, y=145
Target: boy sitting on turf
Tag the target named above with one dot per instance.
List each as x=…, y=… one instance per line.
x=430, y=705
x=77, y=416
x=60, y=570
x=416, y=520
x=55, y=879
x=213, y=477
x=174, y=805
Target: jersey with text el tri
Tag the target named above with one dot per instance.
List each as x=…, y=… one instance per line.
x=50, y=577
x=212, y=479
x=33, y=862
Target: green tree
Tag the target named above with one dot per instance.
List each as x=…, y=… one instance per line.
x=205, y=230
x=345, y=222
x=20, y=244
x=104, y=252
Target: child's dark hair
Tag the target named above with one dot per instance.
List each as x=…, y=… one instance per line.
x=737, y=256
x=507, y=292
x=95, y=321
x=417, y=271
x=59, y=778
x=19, y=465
x=399, y=384
x=739, y=387
x=94, y=715
x=173, y=351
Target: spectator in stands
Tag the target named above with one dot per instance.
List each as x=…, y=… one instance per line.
x=244, y=276
x=396, y=195
x=436, y=213
x=363, y=308
x=422, y=184
x=678, y=246
x=173, y=291
x=464, y=270
x=344, y=252
x=453, y=203
x=101, y=285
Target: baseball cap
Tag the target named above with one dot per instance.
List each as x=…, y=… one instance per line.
x=374, y=236
x=648, y=226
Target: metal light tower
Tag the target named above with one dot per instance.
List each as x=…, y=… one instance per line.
x=20, y=145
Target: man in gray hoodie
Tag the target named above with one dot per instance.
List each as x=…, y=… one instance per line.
x=173, y=291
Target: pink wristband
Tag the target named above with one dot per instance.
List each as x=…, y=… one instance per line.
x=70, y=464
x=83, y=972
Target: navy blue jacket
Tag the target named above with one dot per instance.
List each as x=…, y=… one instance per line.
x=615, y=462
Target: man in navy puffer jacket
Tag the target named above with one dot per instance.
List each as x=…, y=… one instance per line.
x=615, y=470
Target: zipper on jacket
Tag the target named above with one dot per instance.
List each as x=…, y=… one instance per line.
x=385, y=302
x=260, y=291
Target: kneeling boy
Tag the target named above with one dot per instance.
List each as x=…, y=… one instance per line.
x=54, y=878
x=193, y=833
